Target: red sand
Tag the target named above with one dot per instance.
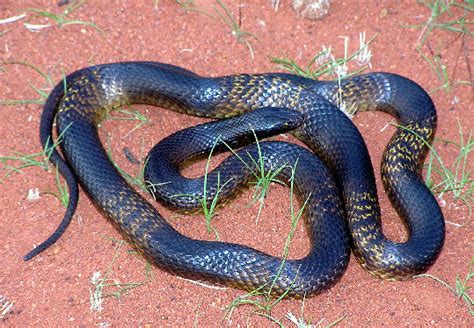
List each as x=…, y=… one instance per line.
x=54, y=288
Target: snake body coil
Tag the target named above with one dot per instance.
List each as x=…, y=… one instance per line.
x=88, y=95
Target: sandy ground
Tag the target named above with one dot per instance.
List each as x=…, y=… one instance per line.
x=54, y=288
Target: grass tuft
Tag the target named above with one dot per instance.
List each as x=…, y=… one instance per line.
x=302, y=323
x=209, y=210
x=262, y=300
x=40, y=159
x=263, y=179
x=324, y=63
x=439, y=9
x=222, y=11
x=41, y=91
x=235, y=26
x=462, y=286
x=104, y=287
x=440, y=13
x=130, y=115
x=190, y=6
x=63, y=192
x=455, y=178
x=60, y=19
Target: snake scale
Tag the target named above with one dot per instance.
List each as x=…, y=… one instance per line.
x=85, y=97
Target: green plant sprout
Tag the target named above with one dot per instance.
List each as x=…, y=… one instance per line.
x=263, y=179
x=243, y=37
x=40, y=159
x=114, y=289
x=461, y=288
x=190, y=6
x=260, y=299
x=439, y=9
x=131, y=115
x=63, y=192
x=209, y=210
x=61, y=19
x=42, y=93
x=325, y=63
x=455, y=179
x=223, y=12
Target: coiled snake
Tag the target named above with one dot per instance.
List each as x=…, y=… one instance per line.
x=85, y=97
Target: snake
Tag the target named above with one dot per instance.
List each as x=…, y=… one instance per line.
x=84, y=98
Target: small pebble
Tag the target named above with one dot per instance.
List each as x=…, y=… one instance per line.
x=33, y=194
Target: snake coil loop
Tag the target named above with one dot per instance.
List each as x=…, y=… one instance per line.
x=86, y=96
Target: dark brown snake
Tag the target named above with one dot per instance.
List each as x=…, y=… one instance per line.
x=85, y=97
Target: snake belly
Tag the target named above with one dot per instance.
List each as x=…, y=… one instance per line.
x=80, y=103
